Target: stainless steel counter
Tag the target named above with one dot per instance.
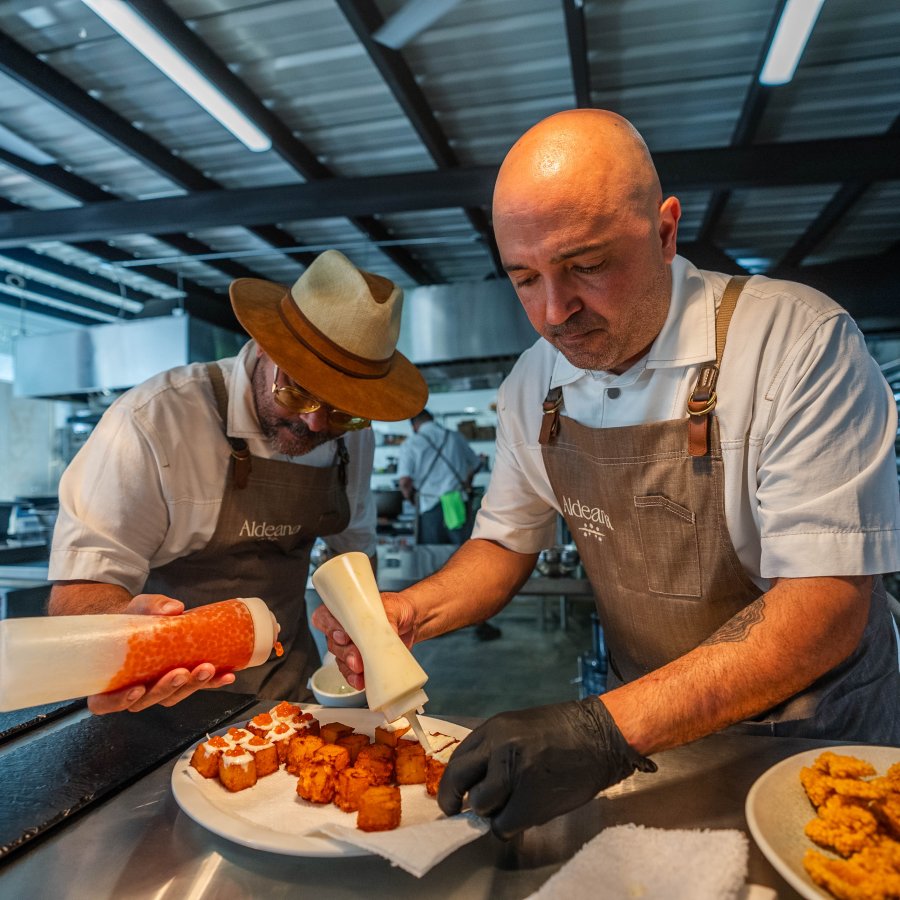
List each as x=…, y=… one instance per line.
x=140, y=845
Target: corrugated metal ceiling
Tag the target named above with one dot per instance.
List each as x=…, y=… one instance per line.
x=342, y=108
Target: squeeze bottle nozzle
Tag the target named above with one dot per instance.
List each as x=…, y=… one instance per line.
x=394, y=679
x=50, y=658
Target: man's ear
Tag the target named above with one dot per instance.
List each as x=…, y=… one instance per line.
x=669, y=214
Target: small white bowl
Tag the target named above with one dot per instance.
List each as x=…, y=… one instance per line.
x=331, y=689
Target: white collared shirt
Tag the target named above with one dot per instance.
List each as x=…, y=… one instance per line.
x=147, y=486
x=806, y=421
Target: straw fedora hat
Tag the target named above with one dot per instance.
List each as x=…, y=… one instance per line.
x=335, y=333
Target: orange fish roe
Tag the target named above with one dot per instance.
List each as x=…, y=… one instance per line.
x=279, y=650
x=221, y=634
x=285, y=710
x=218, y=742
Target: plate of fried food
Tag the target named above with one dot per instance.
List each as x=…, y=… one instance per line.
x=828, y=820
x=276, y=781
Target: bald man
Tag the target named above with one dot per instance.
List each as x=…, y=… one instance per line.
x=722, y=452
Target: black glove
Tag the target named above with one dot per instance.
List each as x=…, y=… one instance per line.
x=526, y=767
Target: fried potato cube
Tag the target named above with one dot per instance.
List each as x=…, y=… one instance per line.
x=410, y=763
x=305, y=723
x=350, y=786
x=205, y=758
x=316, y=781
x=334, y=730
x=237, y=769
x=264, y=754
x=379, y=809
x=301, y=749
x=262, y=724
x=285, y=711
x=435, y=765
x=390, y=734
x=281, y=736
x=378, y=761
x=354, y=743
x=338, y=756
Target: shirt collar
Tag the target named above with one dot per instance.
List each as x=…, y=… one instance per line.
x=242, y=421
x=687, y=337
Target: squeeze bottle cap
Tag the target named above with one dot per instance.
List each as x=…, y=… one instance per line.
x=265, y=629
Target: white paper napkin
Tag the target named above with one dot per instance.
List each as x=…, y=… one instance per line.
x=418, y=848
x=628, y=861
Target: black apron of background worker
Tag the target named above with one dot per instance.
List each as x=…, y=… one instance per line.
x=648, y=518
x=303, y=502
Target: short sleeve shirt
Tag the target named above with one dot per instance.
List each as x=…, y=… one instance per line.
x=432, y=472
x=807, y=426
x=147, y=486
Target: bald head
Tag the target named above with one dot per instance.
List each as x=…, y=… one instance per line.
x=578, y=153
x=586, y=237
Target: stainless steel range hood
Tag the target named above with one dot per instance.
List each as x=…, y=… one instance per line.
x=73, y=364
x=465, y=335
x=460, y=335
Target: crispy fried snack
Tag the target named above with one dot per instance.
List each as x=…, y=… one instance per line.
x=410, y=763
x=859, y=819
x=261, y=724
x=338, y=756
x=316, y=781
x=351, y=784
x=237, y=769
x=379, y=809
x=264, y=755
x=354, y=743
x=300, y=749
x=391, y=733
x=281, y=736
x=205, y=758
x=844, y=828
x=334, y=730
x=378, y=761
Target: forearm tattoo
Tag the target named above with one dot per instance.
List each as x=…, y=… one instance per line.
x=738, y=627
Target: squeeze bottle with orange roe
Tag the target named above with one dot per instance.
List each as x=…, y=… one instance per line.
x=50, y=658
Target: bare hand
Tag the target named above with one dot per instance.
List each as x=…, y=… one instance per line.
x=401, y=615
x=172, y=687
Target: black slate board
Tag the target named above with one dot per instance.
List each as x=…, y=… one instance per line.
x=14, y=723
x=48, y=780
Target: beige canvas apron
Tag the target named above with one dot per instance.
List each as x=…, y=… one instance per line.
x=260, y=548
x=648, y=516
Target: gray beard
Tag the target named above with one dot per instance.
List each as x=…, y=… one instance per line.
x=300, y=441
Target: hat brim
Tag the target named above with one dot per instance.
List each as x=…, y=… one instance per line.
x=399, y=394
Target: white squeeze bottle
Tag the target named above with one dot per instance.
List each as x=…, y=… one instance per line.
x=394, y=679
x=45, y=659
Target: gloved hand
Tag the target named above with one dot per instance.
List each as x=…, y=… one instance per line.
x=526, y=767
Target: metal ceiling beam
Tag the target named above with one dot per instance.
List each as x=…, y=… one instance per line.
x=43, y=80
x=834, y=211
x=291, y=150
x=365, y=20
x=755, y=101
x=576, y=35
x=107, y=253
x=766, y=165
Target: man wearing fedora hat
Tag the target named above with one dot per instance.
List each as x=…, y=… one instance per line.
x=213, y=480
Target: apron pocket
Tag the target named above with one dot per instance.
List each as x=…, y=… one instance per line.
x=670, y=549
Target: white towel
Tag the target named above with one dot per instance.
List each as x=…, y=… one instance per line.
x=631, y=861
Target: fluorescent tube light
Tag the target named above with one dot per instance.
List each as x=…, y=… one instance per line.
x=411, y=19
x=793, y=31
x=170, y=62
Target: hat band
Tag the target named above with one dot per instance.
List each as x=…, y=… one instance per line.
x=326, y=349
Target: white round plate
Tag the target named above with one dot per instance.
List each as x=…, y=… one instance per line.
x=777, y=810
x=207, y=802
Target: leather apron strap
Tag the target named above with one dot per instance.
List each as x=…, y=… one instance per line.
x=240, y=471
x=702, y=400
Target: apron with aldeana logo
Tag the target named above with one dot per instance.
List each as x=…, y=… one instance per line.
x=646, y=509
x=271, y=514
